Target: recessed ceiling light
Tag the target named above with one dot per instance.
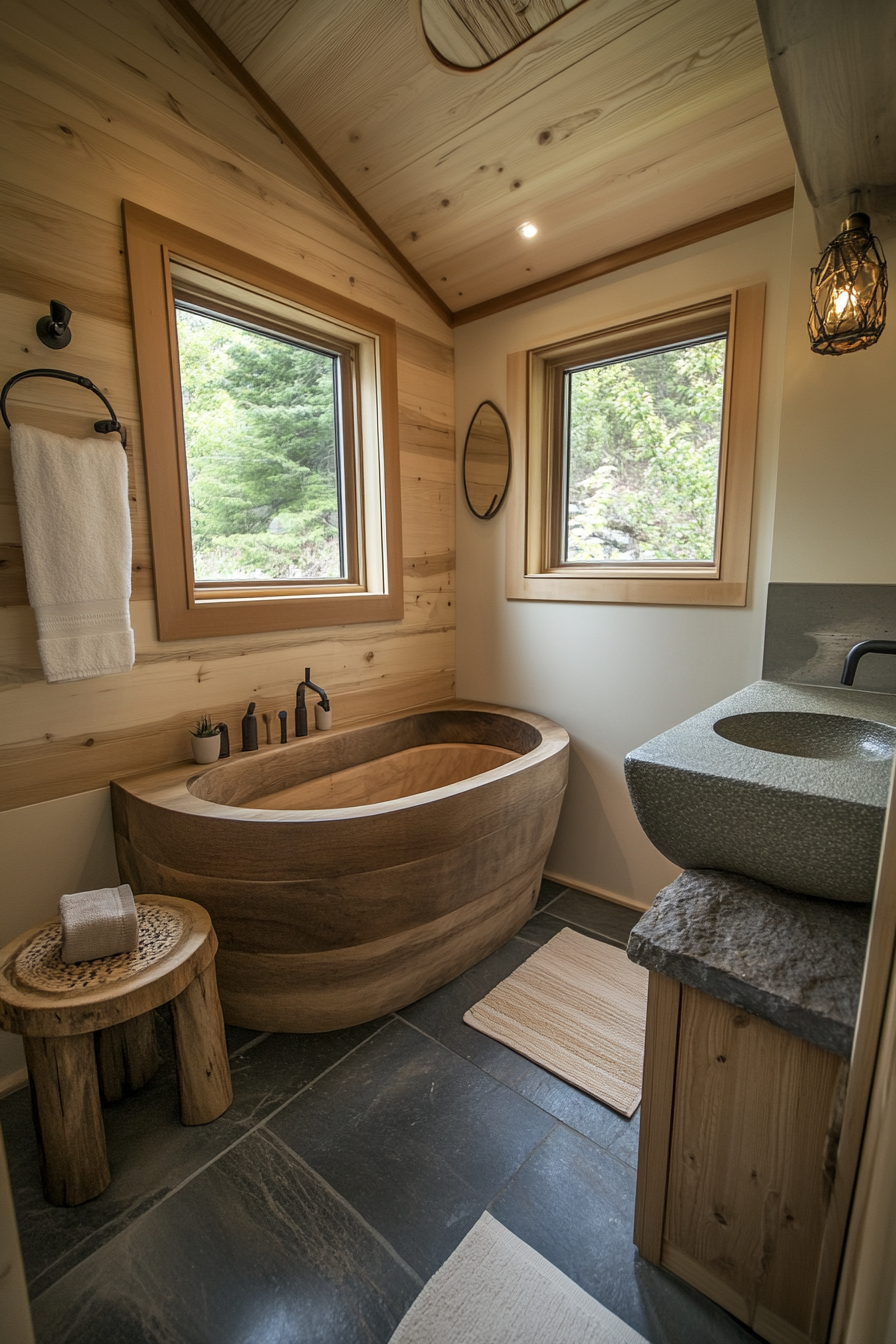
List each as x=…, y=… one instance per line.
x=527, y=230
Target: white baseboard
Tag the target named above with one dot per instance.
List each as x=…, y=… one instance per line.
x=578, y=885
x=11, y=1082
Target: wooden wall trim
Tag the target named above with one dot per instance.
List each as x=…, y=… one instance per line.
x=629, y=256
x=207, y=39
x=850, y=1197
x=38, y=770
x=660, y=1059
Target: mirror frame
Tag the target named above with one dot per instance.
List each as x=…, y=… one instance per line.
x=499, y=499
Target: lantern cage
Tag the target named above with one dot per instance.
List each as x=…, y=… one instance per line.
x=849, y=291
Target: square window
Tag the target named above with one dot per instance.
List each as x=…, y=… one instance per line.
x=639, y=443
x=270, y=414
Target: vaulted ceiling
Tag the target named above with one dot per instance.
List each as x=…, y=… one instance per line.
x=618, y=122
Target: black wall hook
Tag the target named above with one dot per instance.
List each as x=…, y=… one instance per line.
x=102, y=426
x=54, y=330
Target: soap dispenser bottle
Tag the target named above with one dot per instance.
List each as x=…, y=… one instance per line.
x=250, y=729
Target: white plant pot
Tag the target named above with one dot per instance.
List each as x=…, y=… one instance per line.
x=206, y=749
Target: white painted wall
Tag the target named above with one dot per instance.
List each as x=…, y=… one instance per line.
x=615, y=675
x=48, y=849
x=837, y=471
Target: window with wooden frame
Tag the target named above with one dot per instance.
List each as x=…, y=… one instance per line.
x=640, y=443
x=270, y=417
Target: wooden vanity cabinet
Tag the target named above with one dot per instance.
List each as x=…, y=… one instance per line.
x=738, y=1147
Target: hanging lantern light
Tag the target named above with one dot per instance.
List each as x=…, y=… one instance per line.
x=849, y=291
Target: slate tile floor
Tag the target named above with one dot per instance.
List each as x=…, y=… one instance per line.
x=347, y=1170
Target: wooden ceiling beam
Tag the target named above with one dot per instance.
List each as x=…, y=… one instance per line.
x=207, y=39
x=832, y=68
x=630, y=256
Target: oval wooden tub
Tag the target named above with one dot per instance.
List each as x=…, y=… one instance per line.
x=351, y=872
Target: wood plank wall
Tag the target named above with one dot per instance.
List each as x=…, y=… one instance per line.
x=106, y=99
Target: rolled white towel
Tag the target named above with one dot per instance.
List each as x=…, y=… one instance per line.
x=98, y=923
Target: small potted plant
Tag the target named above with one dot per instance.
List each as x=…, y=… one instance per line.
x=206, y=741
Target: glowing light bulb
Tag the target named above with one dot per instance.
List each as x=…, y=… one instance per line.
x=527, y=230
x=844, y=299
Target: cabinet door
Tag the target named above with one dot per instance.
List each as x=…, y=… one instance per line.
x=753, y=1146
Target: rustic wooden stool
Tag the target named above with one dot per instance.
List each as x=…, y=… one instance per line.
x=88, y=1028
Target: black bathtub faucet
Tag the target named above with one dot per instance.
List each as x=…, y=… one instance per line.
x=301, y=711
x=858, y=651
x=250, y=729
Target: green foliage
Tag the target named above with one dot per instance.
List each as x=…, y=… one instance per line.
x=259, y=419
x=644, y=456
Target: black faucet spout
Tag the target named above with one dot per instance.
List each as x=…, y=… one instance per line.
x=324, y=698
x=858, y=651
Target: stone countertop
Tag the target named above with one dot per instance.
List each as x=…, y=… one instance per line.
x=795, y=961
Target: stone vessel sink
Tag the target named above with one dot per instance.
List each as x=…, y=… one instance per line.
x=823, y=737
x=786, y=784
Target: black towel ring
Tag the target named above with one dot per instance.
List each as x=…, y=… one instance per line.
x=102, y=426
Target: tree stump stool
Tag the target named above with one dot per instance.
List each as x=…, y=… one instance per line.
x=88, y=1029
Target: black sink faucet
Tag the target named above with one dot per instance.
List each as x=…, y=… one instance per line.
x=858, y=651
x=301, y=711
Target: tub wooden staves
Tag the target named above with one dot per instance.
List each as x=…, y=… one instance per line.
x=350, y=872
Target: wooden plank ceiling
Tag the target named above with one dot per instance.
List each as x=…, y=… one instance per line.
x=620, y=121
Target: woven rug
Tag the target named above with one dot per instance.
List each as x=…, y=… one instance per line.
x=495, y=1289
x=578, y=1008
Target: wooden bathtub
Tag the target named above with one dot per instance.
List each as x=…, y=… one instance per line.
x=351, y=872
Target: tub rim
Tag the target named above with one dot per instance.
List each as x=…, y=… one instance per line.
x=169, y=786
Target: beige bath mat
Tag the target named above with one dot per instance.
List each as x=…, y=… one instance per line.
x=578, y=1008
x=495, y=1289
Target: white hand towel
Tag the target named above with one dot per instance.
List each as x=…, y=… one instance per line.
x=76, y=538
x=98, y=923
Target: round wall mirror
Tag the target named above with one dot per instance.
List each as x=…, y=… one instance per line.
x=486, y=461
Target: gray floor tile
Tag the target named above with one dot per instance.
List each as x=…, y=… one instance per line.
x=255, y=1248
x=415, y=1138
x=612, y=921
x=549, y=892
x=574, y=1204
x=542, y=927
x=150, y=1151
x=440, y=1015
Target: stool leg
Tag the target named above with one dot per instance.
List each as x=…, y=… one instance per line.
x=126, y=1056
x=65, y=1102
x=203, y=1073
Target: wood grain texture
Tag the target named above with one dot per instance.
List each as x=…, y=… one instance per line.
x=127, y=1056
x=755, y=1114
x=414, y=770
x=325, y=991
x=660, y=1058
x=112, y=100
x=36, y=1012
x=620, y=121
x=847, y=1234
x=833, y=75
x=468, y=35
x=327, y=915
x=242, y=27
x=203, y=1071
x=207, y=39
x=763, y=208
x=68, y=1122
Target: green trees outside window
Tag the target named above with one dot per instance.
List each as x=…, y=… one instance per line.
x=643, y=438
x=261, y=419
